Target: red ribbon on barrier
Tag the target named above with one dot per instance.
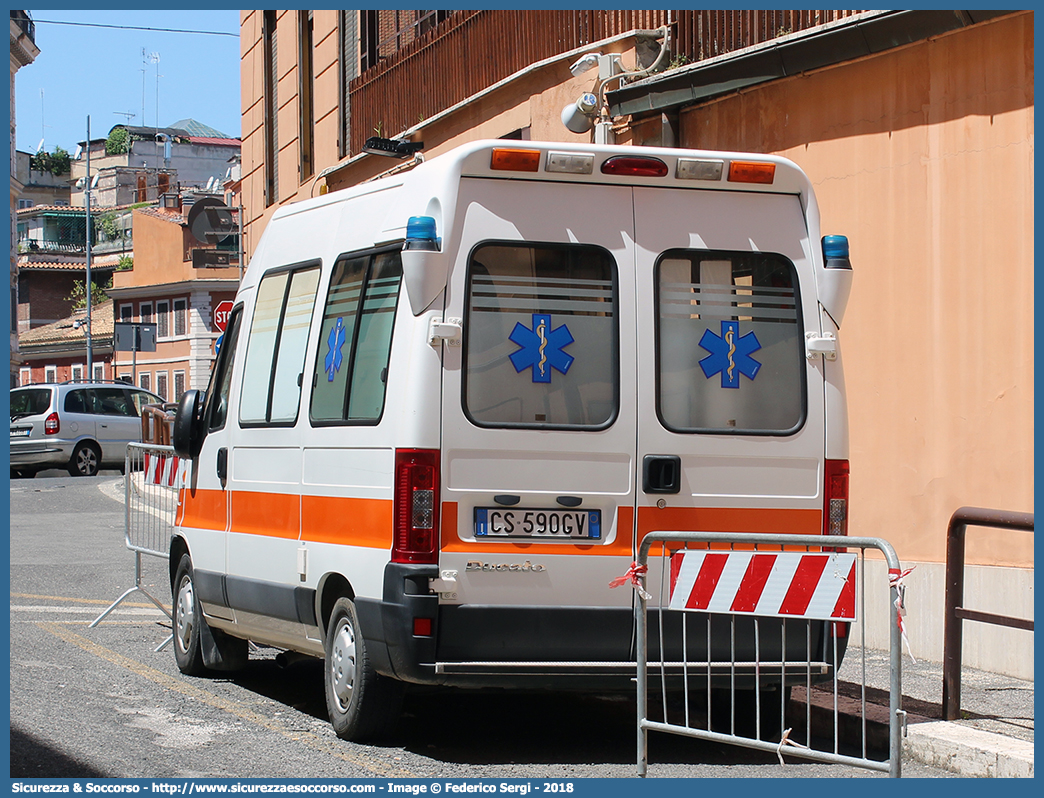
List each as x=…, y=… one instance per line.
x=633, y=575
x=895, y=579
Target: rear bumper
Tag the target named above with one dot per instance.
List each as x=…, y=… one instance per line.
x=40, y=453
x=574, y=648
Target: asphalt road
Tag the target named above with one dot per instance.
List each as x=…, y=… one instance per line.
x=102, y=702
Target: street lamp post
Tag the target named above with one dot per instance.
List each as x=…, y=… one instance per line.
x=87, y=203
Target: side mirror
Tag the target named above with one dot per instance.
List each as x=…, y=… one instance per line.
x=189, y=429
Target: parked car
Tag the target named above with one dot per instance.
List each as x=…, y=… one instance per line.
x=80, y=426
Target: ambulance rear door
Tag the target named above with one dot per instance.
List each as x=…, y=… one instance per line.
x=539, y=425
x=731, y=417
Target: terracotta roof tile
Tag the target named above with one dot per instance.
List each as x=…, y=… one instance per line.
x=63, y=330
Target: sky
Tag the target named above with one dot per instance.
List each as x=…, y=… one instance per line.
x=98, y=71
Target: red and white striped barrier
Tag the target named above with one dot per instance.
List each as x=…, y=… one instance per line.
x=776, y=584
x=163, y=470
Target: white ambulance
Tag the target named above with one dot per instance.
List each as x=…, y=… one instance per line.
x=449, y=404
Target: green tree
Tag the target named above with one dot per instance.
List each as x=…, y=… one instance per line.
x=78, y=295
x=118, y=141
x=56, y=162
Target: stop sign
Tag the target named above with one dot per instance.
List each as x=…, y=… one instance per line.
x=221, y=315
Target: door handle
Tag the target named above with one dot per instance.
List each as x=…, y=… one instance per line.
x=222, y=465
x=661, y=473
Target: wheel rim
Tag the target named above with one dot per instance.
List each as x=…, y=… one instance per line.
x=186, y=614
x=86, y=461
x=342, y=664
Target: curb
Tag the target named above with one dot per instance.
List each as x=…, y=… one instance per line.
x=964, y=750
x=970, y=752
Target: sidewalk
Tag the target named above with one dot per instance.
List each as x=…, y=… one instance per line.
x=994, y=738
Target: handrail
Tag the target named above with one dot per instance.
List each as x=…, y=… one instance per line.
x=955, y=614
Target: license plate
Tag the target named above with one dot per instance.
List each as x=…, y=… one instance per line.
x=19, y=433
x=499, y=522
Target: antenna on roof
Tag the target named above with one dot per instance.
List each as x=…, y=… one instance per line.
x=129, y=114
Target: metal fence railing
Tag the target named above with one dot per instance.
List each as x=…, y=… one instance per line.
x=152, y=477
x=955, y=612
x=730, y=625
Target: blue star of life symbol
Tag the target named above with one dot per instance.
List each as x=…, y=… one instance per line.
x=334, y=358
x=541, y=348
x=730, y=354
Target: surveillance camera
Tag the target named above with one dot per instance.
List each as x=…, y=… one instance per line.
x=584, y=63
x=579, y=116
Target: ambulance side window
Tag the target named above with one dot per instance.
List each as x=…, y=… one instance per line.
x=221, y=377
x=730, y=349
x=351, y=368
x=541, y=336
x=272, y=374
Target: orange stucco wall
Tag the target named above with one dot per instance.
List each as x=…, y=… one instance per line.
x=923, y=156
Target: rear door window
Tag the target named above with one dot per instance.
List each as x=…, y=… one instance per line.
x=729, y=343
x=541, y=336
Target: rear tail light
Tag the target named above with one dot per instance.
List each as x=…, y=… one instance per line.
x=52, y=425
x=416, y=513
x=835, y=498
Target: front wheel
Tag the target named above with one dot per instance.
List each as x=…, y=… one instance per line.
x=362, y=704
x=188, y=652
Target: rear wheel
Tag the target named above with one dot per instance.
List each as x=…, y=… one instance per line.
x=362, y=704
x=85, y=460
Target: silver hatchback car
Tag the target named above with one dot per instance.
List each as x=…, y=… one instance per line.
x=80, y=426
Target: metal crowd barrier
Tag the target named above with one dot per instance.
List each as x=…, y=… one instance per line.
x=777, y=606
x=152, y=477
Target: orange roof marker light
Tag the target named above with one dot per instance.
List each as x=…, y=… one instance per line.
x=751, y=172
x=515, y=160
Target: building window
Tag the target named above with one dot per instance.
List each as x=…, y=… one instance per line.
x=306, y=77
x=50, y=374
x=145, y=381
x=99, y=372
x=271, y=107
x=126, y=313
x=25, y=203
x=77, y=373
x=387, y=31
x=162, y=319
x=161, y=385
x=348, y=37
x=146, y=313
x=179, y=384
x=25, y=377
x=180, y=317
x=127, y=379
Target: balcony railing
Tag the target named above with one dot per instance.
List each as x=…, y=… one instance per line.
x=472, y=50
x=21, y=19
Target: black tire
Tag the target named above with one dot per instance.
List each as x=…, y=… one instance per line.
x=188, y=652
x=363, y=705
x=746, y=708
x=85, y=460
